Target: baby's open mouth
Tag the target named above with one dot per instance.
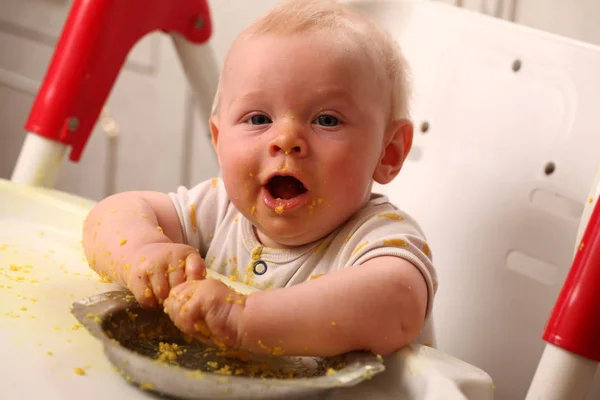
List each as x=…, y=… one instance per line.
x=285, y=187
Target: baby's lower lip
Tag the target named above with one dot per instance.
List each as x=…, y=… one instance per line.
x=281, y=205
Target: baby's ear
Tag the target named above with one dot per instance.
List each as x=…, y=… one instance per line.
x=397, y=143
x=213, y=124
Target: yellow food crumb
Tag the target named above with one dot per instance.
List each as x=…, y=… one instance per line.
x=193, y=218
x=214, y=182
x=23, y=308
x=396, y=242
x=148, y=293
x=581, y=246
x=333, y=323
x=278, y=351
x=219, y=344
x=147, y=386
x=96, y=318
x=132, y=316
x=426, y=250
x=202, y=328
x=122, y=241
x=253, y=210
x=392, y=216
x=160, y=229
x=225, y=370
x=144, y=216
x=49, y=353
x=279, y=209
x=142, y=258
x=229, y=299
x=169, y=352
x=79, y=371
x=331, y=371
x=315, y=276
x=591, y=200
x=359, y=248
x=263, y=346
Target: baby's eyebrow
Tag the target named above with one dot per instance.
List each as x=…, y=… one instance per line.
x=338, y=95
x=317, y=97
x=248, y=97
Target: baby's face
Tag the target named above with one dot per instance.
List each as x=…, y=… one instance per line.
x=298, y=134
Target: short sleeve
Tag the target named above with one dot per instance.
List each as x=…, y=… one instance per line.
x=201, y=210
x=393, y=233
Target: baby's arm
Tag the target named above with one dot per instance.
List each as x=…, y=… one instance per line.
x=379, y=306
x=134, y=238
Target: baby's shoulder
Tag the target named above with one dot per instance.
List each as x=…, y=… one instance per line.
x=380, y=215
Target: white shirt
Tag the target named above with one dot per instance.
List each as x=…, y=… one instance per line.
x=229, y=245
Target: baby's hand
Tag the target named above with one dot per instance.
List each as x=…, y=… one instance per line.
x=207, y=310
x=159, y=267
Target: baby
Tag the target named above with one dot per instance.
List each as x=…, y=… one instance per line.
x=311, y=110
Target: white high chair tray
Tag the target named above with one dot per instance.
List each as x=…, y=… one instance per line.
x=44, y=349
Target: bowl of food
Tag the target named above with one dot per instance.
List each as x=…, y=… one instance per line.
x=147, y=349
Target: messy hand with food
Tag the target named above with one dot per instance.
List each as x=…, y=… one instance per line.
x=207, y=310
x=134, y=239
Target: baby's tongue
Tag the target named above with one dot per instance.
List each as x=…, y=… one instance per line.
x=285, y=187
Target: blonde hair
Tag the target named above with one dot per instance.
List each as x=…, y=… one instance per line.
x=299, y=16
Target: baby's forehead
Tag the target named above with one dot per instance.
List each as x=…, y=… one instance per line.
x=314, y=57
x=332, y=45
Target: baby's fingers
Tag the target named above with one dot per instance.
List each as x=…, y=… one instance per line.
x=195, y=269
x=160, y=286
x=184, y=307
x=141, y=288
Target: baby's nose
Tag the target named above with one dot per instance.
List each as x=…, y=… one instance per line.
x=288, y=143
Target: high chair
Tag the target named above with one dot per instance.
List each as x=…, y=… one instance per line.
x=499, y=178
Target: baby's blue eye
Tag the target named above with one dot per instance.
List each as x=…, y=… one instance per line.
x=260, y=119
x=327, y=120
